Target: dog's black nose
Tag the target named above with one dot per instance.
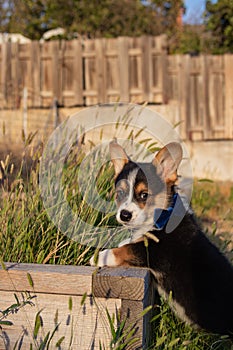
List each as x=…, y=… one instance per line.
x=125, y=215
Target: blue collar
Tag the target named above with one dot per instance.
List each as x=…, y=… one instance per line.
x=162, y=216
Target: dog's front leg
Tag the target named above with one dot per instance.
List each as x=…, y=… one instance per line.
x=132, y=254
x=112, y=257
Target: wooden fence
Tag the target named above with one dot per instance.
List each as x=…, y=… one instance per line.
x=203, y=88
x=83, y=72
x=69, y=305
x=86, y=72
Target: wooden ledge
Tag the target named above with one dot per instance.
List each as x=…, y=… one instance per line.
x=124, y=283
x=52, y=279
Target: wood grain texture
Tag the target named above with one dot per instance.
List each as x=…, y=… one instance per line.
x=82, y=72
x=125, y=283
x=82, y=327
x=136, y=288
x=71, y=301
x=54, y=279
x=228, y=64
x=87, y=72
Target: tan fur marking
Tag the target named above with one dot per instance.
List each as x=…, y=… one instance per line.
x=141, y=187
x=122, y=255
x=141, y=205
x=172, y=178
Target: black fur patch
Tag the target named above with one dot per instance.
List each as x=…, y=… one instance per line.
x=146, y=173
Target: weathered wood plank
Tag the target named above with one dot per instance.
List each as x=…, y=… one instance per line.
x=183, y=97
x=90, y=80
x=46, y=87
x=5, y=72
x=100, y=70
x=82, y=324
x=56, y=69
x=55, y=279
x=112, y=71
x=123, y=59
x=228, y=64
x=75, y=298
x=78, y=73
x=36, y=75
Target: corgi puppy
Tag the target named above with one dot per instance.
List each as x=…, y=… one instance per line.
x=169, y=241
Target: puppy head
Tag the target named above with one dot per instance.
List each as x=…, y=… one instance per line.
x=142, y=187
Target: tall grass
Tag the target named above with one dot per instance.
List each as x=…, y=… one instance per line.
x=26, y=232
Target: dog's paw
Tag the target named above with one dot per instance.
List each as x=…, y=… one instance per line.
x=105, y=258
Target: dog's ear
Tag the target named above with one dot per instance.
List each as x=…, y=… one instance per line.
x=167, y=161
x=118, y=157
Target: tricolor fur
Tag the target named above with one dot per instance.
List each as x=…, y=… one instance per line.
x=184, y=261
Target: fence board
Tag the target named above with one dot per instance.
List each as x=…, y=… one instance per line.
x=15, y=75
x=5, y=73
x=228, y=64
x=90, y=81
x=36, y=76
x=216, y=96
x=71, y=73
x=159, y=68
x=56, y=68
x=112, y=70
x=123, y=58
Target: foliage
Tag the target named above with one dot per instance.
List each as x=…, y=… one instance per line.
x=112, y=18
x=26, y=299
x=25, y=17
x=26, y=233
x=190, y=40
x=219, y=23
x=106, y=18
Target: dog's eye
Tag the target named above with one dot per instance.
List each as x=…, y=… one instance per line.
x=144, y=195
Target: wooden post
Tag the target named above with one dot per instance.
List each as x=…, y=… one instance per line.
x=76, y=299
x=136, y=290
